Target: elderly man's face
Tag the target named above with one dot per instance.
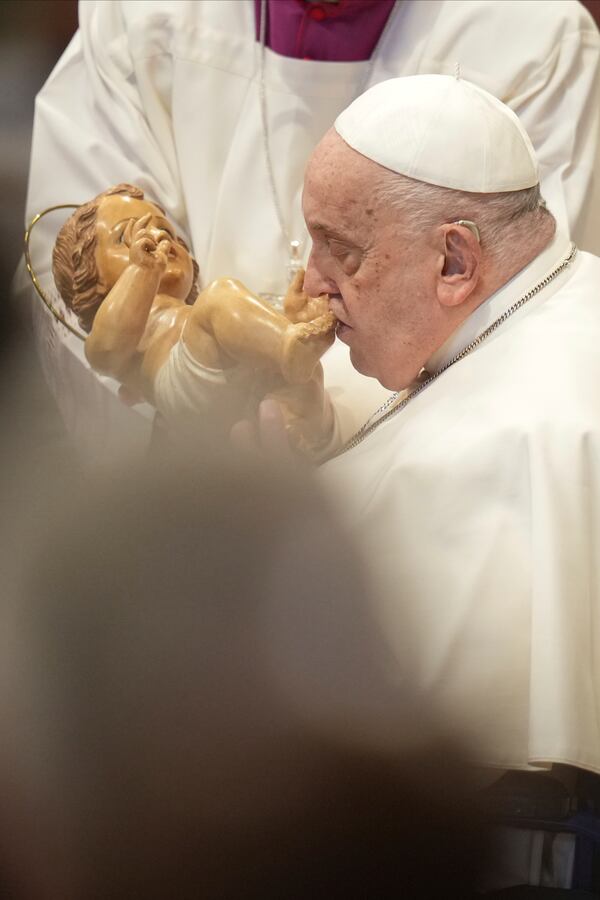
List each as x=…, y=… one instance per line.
x=380, y=279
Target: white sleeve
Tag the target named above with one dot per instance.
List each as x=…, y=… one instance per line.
x=559, y=106
x=92, y=127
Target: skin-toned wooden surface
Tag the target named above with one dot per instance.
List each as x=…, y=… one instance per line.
x=147, y=274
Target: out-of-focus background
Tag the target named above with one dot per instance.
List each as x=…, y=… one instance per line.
x=33, y=34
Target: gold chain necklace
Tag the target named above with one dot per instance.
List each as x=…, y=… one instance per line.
x=392, y=405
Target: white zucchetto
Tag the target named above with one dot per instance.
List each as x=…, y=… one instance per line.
x=442, y=130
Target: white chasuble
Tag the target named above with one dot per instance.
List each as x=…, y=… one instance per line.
x=478, y=509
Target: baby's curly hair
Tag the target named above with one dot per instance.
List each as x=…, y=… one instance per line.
x=74, y=258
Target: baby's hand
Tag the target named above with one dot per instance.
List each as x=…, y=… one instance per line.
x=149, y=247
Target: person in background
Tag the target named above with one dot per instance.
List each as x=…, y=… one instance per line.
x=196, y=702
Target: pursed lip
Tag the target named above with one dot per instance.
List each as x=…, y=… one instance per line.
x=343, y=331
x=336, y=305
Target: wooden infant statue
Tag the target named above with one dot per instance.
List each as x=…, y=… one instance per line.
x=120, y=267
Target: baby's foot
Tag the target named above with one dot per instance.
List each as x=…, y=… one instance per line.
x=304, y=344
x=298, y=306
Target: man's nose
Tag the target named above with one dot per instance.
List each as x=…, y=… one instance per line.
x=315, y=282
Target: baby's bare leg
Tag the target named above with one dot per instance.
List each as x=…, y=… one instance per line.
x=305, y=343
x=252, y=333
x=245, y=328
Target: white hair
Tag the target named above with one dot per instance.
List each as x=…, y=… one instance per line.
x=504, y=220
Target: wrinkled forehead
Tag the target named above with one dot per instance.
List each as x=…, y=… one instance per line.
x=337, y=178
x=323, y=168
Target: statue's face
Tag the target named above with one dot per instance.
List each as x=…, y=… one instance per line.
x=115, y=216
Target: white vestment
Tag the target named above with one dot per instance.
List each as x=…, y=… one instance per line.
x=182, y=385
x=164, y=94
x=478, y=508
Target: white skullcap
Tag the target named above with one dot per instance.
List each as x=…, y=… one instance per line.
x=442, y=130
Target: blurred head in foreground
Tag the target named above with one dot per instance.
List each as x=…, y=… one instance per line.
x=198, y=705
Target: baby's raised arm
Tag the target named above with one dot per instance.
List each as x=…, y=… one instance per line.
x=122, y=316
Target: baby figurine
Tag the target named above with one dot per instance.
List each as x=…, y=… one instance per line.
x=120, y=267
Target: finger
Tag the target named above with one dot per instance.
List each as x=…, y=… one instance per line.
x=273, y=434
x=129, y=397
x=160, y=236
x=295, y=297
x=244, y=437
x=141, y=223
x=128, y=233
x=145, y=244
x=162, y=253
x=298, y=280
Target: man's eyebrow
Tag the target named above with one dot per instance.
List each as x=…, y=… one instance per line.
x=322, y=228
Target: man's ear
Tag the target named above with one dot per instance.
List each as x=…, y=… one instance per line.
x=459, y=269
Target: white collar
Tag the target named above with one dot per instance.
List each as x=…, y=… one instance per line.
x=499, y=302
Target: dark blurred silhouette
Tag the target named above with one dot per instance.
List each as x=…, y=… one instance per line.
x=196, y=703
x=33, y=34
x=594, y=7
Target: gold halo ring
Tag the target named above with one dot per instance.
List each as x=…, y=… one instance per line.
x=41, y=293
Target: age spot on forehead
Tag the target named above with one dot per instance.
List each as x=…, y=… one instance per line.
x=369, y=212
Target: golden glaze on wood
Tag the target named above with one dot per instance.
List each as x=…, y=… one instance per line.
x=139, y=274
